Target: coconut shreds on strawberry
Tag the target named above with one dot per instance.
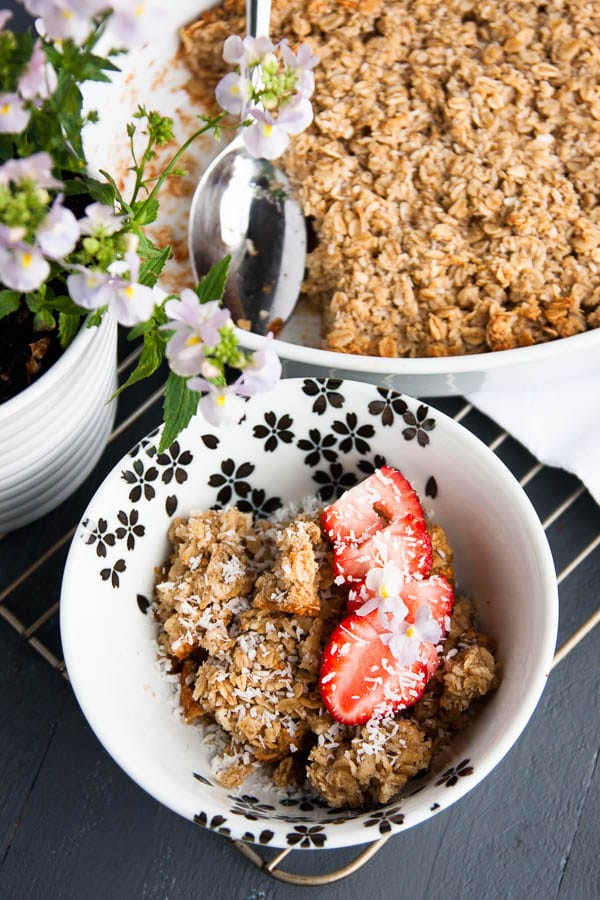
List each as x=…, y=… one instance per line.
x=405, y=542
x=366, y=508
x=361, y=679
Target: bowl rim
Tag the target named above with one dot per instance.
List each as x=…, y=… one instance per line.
x=490, y=758
x=422, y=365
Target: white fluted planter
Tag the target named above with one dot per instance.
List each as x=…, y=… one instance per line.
x=53, y=433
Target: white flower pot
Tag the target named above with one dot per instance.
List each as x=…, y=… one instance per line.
x=53, y=433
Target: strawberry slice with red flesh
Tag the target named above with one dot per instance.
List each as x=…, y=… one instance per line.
x=369, y=506
x=405, y=541
x=435, y=591
x=360, y=676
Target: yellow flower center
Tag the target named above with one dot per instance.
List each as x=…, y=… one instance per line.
x=129, y=292
x=192, y=340
x=410, y=631
x=67, y=13
x=140, y=10
x=268, y=130
x=5, y=109
x=383, y=592
x=221, y=400
x=26, y=260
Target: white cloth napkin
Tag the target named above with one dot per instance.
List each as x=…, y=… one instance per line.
x=560, y=425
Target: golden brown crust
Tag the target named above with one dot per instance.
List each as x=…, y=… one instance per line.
x=451, y=170
x=251, y=662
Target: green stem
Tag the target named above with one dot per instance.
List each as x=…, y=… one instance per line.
x=208, y=126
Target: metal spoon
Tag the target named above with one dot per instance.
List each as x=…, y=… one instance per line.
x=243, y=206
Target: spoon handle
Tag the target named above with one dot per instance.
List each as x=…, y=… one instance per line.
x=258, y=17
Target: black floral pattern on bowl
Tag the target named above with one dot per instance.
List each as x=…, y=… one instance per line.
x=326, y=393
x=275, y=430
x=112, y=573
x=317, y=447
x=307, y=836
x=334, y=482
x=130, y=527
x=384, y=819
x=419, y=425
x=231, y=480
x=353, y=435
x=141, y=480
x=450, y=777
x=259, y=504
x=99, y=536
x=388, y=407
x=173, y=462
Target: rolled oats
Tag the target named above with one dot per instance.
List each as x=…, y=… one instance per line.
x=451, y=172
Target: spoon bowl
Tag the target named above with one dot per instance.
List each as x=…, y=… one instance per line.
x=244, y=207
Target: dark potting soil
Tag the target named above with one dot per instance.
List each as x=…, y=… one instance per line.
x=24, y=353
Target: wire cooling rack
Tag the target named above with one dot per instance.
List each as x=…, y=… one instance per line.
x=29, y=597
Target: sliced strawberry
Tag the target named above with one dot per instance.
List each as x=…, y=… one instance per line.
x=436, y=592
x=357, y=595
x=366, y=508
x=360, y=677
x=405, y=541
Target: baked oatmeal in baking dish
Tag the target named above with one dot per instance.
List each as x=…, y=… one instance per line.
x=326, y=644
x=451, y=173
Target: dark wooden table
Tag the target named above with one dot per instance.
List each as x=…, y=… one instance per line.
x=73, y=825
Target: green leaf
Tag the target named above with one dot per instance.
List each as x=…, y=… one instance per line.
x=180, y=405
x=150, y=359
x=212, y=286
x=95, y=318
x=97, y=190
x=68, y=326
x=141, y=328
x=63, y=304
x=146, y=211
x=44, y=321
x=9, y=302
x=153, y=263
x=115, y=188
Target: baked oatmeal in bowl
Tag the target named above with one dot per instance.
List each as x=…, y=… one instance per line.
x=333, y=618
x=449, y=177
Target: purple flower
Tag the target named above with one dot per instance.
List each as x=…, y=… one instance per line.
x=128, y=301
x=268, y=137
x=301, y=63
x=39, y=79
x=195, y=326
x=233, y=93
x=36, y=168
x=135, y=22
x=100, y=219
x=85, y=287
x=64, y=19
x=14, y=117
x=261, y=373
x=58, y=232
x=220, y=405
x=22, y=267
x=250, y=51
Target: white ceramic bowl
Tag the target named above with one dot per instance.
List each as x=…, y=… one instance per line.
x=53, y=433
x=109, y=638
x=155, y=76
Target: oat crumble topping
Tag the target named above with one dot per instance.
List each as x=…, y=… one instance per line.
x=245, y=609
x=451, y=171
